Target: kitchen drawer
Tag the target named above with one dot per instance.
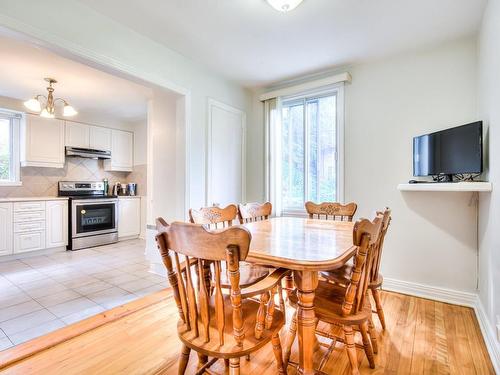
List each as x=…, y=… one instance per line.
x=29, y=206
x=28, y=216
x=30, y=241
x=29, y=226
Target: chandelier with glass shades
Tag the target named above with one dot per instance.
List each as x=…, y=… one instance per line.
x=284, y=5
x=46, y=104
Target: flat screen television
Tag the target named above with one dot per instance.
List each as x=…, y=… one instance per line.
x=449, y=152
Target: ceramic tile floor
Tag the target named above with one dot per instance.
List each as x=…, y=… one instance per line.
x=42, y=293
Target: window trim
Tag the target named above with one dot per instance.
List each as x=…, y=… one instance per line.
x=338, y=90
x=15, y=118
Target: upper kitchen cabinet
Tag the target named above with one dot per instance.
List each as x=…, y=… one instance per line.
x=77, y=135
x=87, y=136
x=42, y=142
x=122, y=152
x=100, y=138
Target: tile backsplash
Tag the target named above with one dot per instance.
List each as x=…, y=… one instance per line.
x=42, y=182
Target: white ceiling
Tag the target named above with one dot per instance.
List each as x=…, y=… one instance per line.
x=251, y=43
x=23, y=67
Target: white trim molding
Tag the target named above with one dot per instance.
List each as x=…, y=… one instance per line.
x=303, y=87
x=456, y=298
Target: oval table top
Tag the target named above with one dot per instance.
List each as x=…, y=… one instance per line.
x=301, y=243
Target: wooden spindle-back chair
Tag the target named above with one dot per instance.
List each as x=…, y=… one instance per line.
x=214, y=217
x=331, y=210
x=340, y=276
x=251, y=212
x=218, y=325
x=347, y=307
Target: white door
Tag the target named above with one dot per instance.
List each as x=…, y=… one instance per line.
x=77, y=135
x=5, y=228
x=56, y=223
x=226, y=155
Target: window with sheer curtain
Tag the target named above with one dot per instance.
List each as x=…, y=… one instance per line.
x=307, y=150
x=9, y=148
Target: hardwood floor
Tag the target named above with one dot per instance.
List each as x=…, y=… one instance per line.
x=422, y=337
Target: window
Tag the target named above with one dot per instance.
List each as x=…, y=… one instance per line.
x=9, y=148
x=310, y=137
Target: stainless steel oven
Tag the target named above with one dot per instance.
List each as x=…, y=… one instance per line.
x=93, y=215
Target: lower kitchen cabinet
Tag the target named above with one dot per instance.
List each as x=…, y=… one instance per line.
x=56, y=215
x=129, y=217
x=30, y=241
x=5, y=228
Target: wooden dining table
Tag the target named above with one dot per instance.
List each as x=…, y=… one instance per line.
x=304, y=246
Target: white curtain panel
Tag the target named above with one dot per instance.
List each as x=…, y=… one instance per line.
x=272, y=114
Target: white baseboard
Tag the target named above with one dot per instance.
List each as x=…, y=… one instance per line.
x=431, y=292
x=456, y=298
x=489, y=335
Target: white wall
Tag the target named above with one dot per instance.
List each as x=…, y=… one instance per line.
x=65, y=24
x=489, y=109
x=432, y=237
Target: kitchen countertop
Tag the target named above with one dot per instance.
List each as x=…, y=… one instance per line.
x=31, y=199
x=128, y=196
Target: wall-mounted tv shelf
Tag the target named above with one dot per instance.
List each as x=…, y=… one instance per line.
x=448, y=186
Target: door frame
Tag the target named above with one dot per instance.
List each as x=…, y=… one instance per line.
x=212, y=103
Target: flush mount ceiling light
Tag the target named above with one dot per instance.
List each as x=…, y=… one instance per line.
x=284, y=5
x=46, y=104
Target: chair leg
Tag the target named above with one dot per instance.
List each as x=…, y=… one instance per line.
x=202, y=359
x=290, y=338
x=373, y=335
x=183, y=360
x=234, y=366
x=278, y=353
x=288, y=284
x=380, y=310
x=261, y=315
x=270, y=309
x=367, y=344
x=226, y=366
x=282, y=301
x=351, y=349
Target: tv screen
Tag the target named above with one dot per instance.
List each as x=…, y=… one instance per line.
x=452, y=151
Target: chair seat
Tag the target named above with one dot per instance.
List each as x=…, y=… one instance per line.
x=328, y=301
x=230, y=349
x=249, y=274
x=342, y=276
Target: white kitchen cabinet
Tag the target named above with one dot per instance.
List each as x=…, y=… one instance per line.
x=42, y=142
x=5, y=228
x=77, y=135
x=122, y=152
x=29, y=241
x=56, y=223
x=129, y=217
x=100, y=138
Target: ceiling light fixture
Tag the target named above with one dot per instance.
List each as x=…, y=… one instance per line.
x=284, y=5
x=46, y=104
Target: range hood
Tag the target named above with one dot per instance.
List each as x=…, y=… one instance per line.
x=87, y=153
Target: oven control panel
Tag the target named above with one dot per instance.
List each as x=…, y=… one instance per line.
x=90, y=187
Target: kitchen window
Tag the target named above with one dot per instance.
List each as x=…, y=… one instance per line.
x=9, y=148
x=308, y=150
